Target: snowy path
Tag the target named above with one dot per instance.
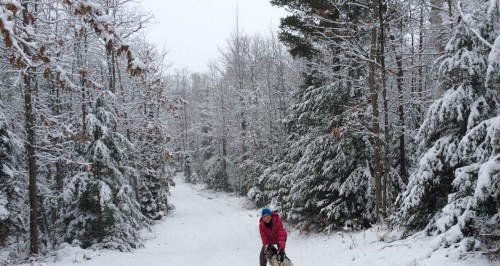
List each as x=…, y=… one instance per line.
x=203, y=230
x=209, y=229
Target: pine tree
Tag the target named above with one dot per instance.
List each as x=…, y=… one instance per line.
x=153, y=180
x=331, y=178
x=454, y=192
x=101, y=209
x=334, y=178
x=11, y=222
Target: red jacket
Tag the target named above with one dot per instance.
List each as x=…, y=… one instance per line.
x=276, y=235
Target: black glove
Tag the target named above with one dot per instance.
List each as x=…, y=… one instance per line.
x=281, y=255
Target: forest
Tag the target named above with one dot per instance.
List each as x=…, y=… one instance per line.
x=355, y=113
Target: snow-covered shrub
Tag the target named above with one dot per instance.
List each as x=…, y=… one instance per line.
x=255, y=196
x=248, y=172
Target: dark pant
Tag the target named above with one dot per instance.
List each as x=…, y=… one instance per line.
x=263, y=260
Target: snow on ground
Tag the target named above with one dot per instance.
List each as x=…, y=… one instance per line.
x=208, y=229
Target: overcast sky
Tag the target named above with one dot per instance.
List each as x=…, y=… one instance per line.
x=192, y=30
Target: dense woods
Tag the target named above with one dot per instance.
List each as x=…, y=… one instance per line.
x=354, y=113
x=81, y=100
x=382, y=112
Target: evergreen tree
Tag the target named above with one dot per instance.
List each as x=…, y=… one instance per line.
x=331, y=182
x=329, y=164
x=215, y=137
x=454, y=192
x=11, y=222
x=145, y=128
x=153, y=179
x=101, y=210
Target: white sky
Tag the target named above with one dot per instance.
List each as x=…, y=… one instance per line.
x=192, y=30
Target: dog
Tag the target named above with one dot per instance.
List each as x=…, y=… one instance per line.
x=272, y=257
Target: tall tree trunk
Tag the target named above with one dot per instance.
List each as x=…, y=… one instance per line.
x=399, y=81
x=282, y=105
x=187, y=168
x=439, y=36
x=112, y=71
x=375, y=112
x=401, y=111
x=225, y=181
x=30, y=145
x=79, y=50
x=96, y=171
x=185, y=127
x=437, y=22
x=240, y=75
x=59, y=164
x=30, y=151
x=387, y=181
x=271, y=109
x=420, y=89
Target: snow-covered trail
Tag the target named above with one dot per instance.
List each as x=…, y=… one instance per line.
x=203, y=230
x=208, y=229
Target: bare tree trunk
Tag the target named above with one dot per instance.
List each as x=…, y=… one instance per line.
x=420, y=89
x=399, y=80
x=112, y=71
x=59, y=175
x=59, y=178
x=84, y=110
x=187, y=168
x=437, y=22
x=186, y=138
x=401, y=111
x=375, y=112
x=225, y=181
x=30, y=146
x=386, y=183
x=81, y=59
x=402, y=152
x=439, y=36
x=30, y=150
x=282, y=105
x=96, y=171
x=271, y=109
